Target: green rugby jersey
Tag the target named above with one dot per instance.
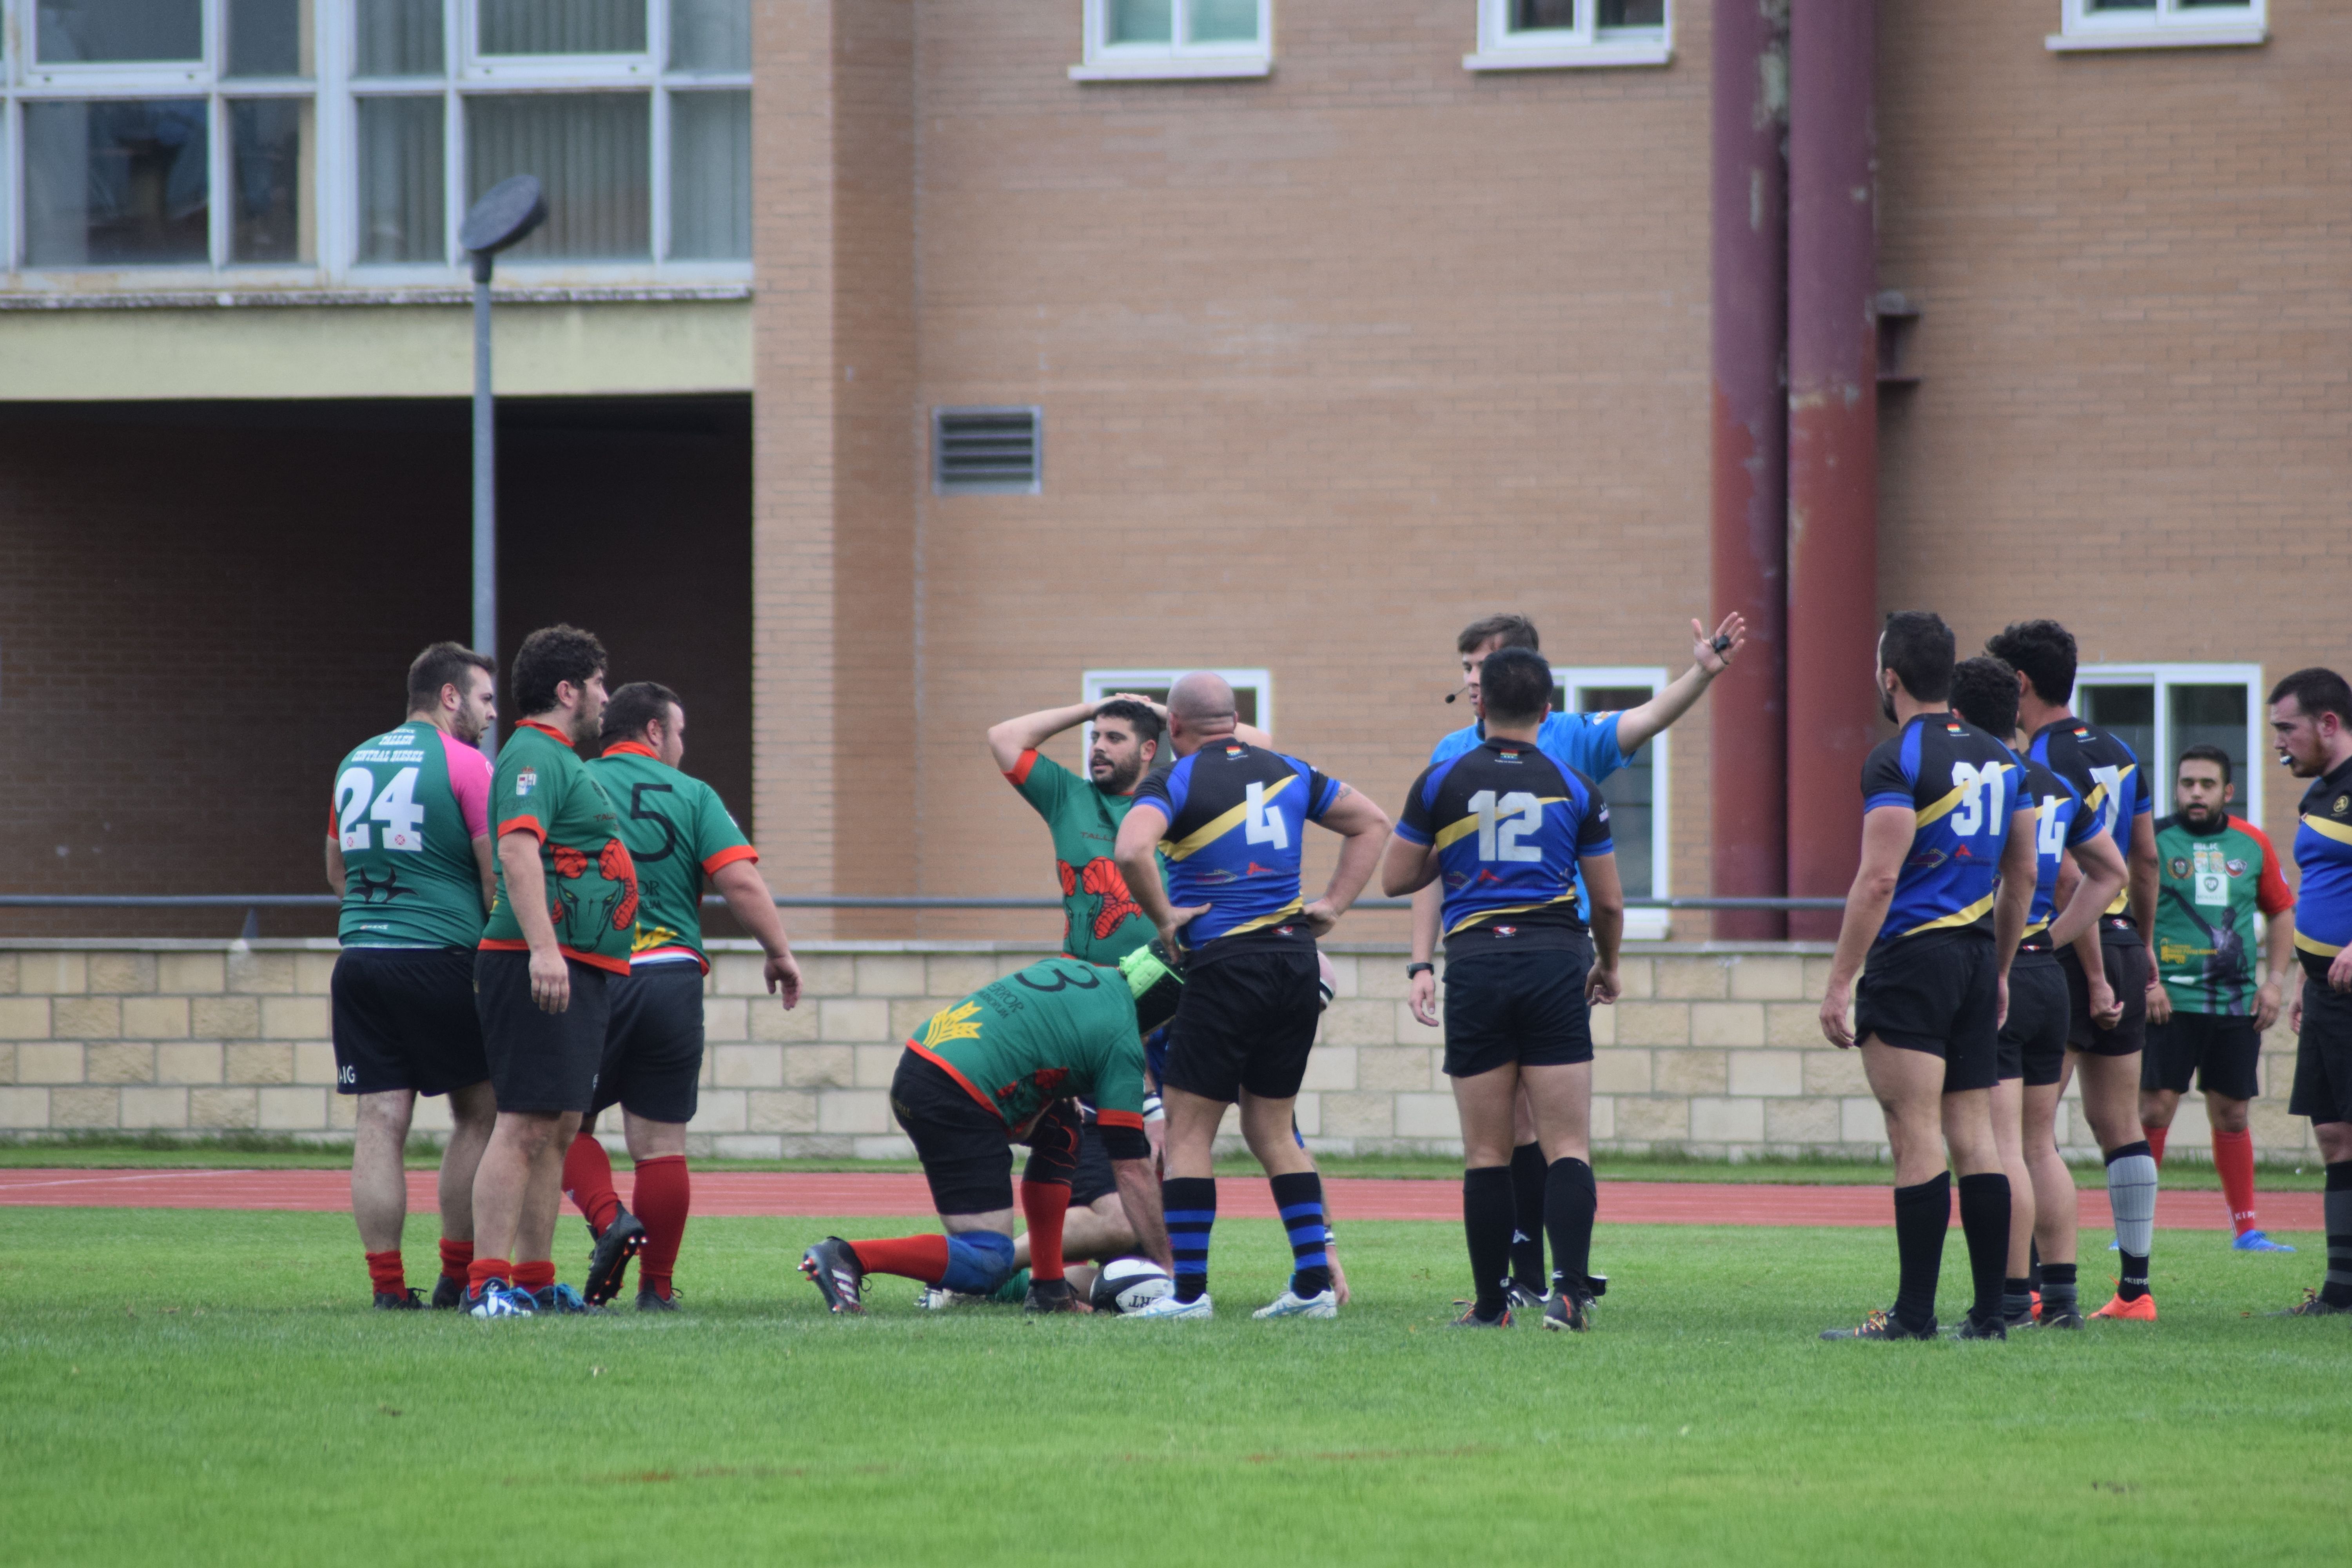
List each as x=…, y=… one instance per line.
x=678, y=832
x=543, y=789
x=407, y=807
x=1055, y=1030
x=2210, y=885
x=1102, y=923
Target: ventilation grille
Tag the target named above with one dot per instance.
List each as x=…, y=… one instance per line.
x=987, y=450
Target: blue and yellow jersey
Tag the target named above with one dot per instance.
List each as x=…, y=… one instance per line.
x=2323, y=852
x=2107, y=774
x=1236, y=821
x=1510, y=825
x=1959, y=785
x=2060, y=823
x=1586, y=743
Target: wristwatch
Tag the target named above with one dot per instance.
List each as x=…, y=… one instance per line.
x=1412, y=969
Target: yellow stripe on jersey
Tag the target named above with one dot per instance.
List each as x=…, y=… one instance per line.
x=1454, y=830
x=2320, y=949
x=1216, y=827
x=1567, y=897
x=1966, y=917
x=1276, y=919
x=1927, y=814
x=2034, y=927
x=2338, y=831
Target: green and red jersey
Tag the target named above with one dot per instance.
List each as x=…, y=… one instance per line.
x=543, y=788
x=2210, y=884
x=408, y=805
x=678, y=832
x=1102, y=923
x=1056, y=1030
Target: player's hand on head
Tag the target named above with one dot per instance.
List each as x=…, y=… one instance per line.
x=784, y=975
x=550, y=982
x=1421, y=996
x=1601, y=987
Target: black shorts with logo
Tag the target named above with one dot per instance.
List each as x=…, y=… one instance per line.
x=1507, y=1004
x=653, y=1046
x=2124, y=957
x=2220, y=1049
x=965, y=1148
x=539, y=1061
x=1246, y=1021
x=403, y=1018
x=2323, y=1055
x=1939, y=993
x=2033, y=1037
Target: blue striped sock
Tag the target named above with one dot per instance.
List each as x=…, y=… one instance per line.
x=1299, y=1197
x=1191, y=1203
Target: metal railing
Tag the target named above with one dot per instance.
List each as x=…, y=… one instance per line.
x=782, y=900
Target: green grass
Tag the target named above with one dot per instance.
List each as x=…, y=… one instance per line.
x=204, y=1388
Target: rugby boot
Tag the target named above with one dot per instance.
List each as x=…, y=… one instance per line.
x=2255, y=1241
x=1881, y=1324
x=1471, y=1320
x=1569, y=1311
x=2057, y=1315
x=1525, y=1297
x=1324, y=1303
x=1052, y=1295
x=561, y=1300
x=623, y=1240
x=406, y=1300
x=652, y=1300
x=497, y=1298
x=1972, y=1327
x=2141, y=1310
x=448, y=1292
x=2020, y=1321
x=1170, y=1307
x=833, y=1268
x=2312, y=1306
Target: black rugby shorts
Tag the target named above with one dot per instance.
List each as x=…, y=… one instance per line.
x=1093, y=1180
x=2033, y=1037
x=966, y=1152
x=2323, y=1054
x=2124, y=957
x=403, y=1018
x=2220, y=1049
x=653, y=1046
x=1939, y=993
x=1505, y=1004
x=539, y=1062
x=1246, y=1021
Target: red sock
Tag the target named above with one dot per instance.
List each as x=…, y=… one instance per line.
x=2233, y=1157
x=923, y=1257
x=534, y=1275
x=588, y=1181
x=663, y=1192
x=1046, y=1205
x=386, y=1272
x=2155, y=1136
x=456, y=1257
x=482, y=1270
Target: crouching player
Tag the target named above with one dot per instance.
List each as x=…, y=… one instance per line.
x=1038, y=1038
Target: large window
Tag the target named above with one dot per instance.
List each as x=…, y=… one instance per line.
x=1127, y=40
x=2161, y=709
x=1552, y=35
x=1253, y=691
x=2159, y=24
x=1637, y=793
x=346, y=138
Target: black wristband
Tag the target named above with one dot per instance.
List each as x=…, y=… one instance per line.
x=1412, y=969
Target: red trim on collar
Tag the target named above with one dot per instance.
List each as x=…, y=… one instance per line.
x=548, y=730
x=633, y=748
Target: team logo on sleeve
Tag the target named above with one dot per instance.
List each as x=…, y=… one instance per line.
x=526, y=781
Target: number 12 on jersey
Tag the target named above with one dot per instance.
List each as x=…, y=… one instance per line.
x=396, y=807
x=1501, y=824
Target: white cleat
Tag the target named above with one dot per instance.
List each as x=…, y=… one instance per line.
x=932, y=1298
x=1170, y=1307
x=1323, y=1304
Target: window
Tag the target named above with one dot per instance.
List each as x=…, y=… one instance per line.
x=335, y=135
x=1253, y=692
x=1637, y=793
x=983, y=451
x=1130, y=40
x=1549, y=35
x=2160, y=710
x=2159, y=24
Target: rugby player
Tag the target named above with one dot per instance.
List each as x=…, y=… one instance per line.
x=563, y=924
x=1595, y=744
x=1938, y=906
x=678, y=832
x=1038, y=1038
x=2107, y=975
x=2311, y=721
x=2033, y=1041
x=408, y=852
x=2206, y=1013
x=1232, y=818
x=1507, y=830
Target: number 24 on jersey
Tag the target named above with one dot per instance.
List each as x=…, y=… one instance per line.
x=396, y=807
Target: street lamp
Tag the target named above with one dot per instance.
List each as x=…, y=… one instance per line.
x=509, y=212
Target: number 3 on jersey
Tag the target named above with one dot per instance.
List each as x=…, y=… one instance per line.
x=1981, y=805
x=396, y=807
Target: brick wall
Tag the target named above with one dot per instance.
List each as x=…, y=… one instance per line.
x=1712, y=1050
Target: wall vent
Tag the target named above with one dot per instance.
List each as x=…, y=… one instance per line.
x=977, y=451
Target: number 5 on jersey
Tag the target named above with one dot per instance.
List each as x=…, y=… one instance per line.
x=396, y=807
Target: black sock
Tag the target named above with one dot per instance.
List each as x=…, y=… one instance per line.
x=2016, y=1298
x=1922, y=1215
x=1528, y=1177
x=1569, y=1202
x=2057, y=1290
x=2336, y=1289
x=1486, y=1226
x=1191, y=1203
x=1299, y=1198
x=1984, y=1220
x=2033, y=1267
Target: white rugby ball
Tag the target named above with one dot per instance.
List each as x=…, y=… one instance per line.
x=1130, y=1284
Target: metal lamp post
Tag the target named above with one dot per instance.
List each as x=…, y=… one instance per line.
x=505, y=215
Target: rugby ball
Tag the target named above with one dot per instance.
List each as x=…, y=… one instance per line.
x=1130, y=1284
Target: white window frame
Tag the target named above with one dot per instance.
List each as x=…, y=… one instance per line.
x=1641, y=925
x=1175, y=61
x=2171, y=25
x=1587, y=45
x=1096, y=684
x=2160, y=767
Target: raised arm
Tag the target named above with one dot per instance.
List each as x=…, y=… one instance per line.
x=747, y=899
x=1364, y=827
x=1886, y=834
x=1007, y=741
x=1636, y=726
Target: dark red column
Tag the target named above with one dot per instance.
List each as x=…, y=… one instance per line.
x=1833, y=442
x=1748, y=711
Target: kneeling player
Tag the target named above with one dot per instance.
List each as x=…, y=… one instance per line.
x=1054, y=1030
x=1508, y=829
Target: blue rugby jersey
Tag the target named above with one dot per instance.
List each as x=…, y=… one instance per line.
x=2059, y=823
x=1510, y=825
x=1960, y=784
x=2323, y=853
x=1584, y=741
x=1236, y=828
x=2114, y=787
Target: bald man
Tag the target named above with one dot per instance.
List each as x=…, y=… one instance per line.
x=1232, y=819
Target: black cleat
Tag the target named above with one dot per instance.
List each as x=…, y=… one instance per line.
x=1050, y=1296
x=1881, y=1324
x=2060, y=1317
x=1471, y=1320
x=1569, y=1309
x=623, y=1240
x=561, y=1300
x=652, y=1300
x=2313, y=1305
x=833, y=1268
x=1524, y=1296
x=406, y=1300
x=1993, y=1328
x=449, y=1294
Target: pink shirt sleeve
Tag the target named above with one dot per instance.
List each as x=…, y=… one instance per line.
x=469, y=780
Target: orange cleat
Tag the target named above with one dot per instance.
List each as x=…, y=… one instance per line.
x=2142, y=1310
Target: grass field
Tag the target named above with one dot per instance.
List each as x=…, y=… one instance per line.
x=205, y=1387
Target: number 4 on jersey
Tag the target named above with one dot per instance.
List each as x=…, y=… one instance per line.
x=396, y=807
x=1261, y=826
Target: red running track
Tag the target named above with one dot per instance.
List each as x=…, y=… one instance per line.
x=880, y=1194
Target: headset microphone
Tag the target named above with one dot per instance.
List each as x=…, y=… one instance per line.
x=1457, y=692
